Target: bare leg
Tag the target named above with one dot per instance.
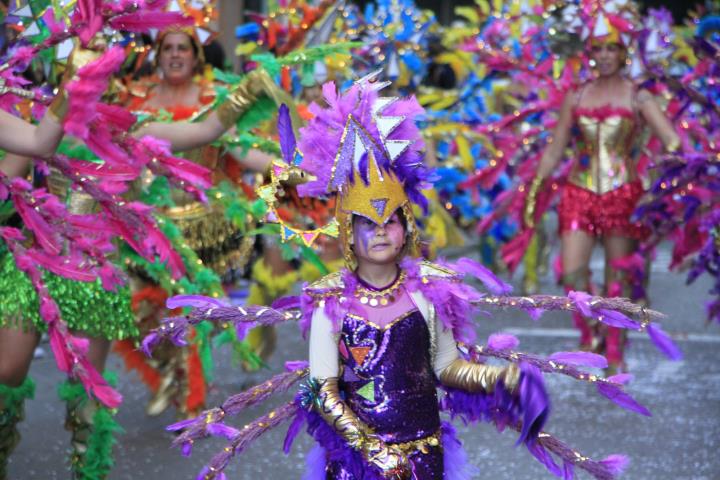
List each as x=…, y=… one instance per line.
x=16, y=352
x=576, y=250
x=616, y=285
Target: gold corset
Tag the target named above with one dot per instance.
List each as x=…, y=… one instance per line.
x=606, y=158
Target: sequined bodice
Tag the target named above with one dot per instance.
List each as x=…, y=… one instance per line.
x=387, y=372
x=606, y=157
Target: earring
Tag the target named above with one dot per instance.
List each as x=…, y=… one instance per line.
x=592, y=63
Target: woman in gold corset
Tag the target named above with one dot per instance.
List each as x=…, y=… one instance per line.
x=604, y=186
x=179, y=90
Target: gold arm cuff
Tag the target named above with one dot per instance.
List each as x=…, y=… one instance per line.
x=673, y=146
x=338, y=415
x=531, y=200
x=476, y=377
x=59, y=106
x=236, y=104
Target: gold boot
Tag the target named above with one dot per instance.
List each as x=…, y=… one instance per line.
x=92, y=427
x=169, y=385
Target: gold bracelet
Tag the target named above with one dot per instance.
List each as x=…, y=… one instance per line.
x=531, y=200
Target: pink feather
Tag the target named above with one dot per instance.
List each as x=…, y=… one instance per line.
x=146, y=21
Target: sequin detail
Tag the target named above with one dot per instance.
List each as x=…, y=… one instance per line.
x=84, y=306
x=393, y=389
x=601, y=215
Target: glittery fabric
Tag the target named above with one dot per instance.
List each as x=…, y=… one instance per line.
x=389, y=383
x=601, y=215
x=84, y=306
x=606, y=159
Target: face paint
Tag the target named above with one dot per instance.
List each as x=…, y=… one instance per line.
x=378, y=244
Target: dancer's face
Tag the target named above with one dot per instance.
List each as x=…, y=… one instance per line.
x=378, y=244
x=609, y=57
x=177, y=58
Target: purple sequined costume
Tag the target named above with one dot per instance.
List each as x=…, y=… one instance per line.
x=387, y=372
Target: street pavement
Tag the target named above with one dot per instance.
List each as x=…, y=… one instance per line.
x=679, y=441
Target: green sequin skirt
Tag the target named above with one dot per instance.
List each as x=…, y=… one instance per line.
x=85, y=306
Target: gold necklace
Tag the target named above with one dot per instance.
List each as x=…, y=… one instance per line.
x=382, y=297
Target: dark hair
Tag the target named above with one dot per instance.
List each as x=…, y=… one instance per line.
x=215, y=55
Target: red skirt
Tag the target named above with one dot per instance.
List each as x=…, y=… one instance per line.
x=601, y=215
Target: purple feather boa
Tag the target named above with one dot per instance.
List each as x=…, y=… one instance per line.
x=530, y=405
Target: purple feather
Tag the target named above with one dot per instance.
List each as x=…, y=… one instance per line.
x=222, y=430
x=286, y=134
x=582, y=302
x=149, y=342
x=663, y=342
x=534, y=403
x=491, y=282
x=181, y=425
x=581, y=359
x=503, y=341
x=286, y=303
x=535, y=313
x=616, y=319
x=457, y=464
x=315, y=463
x=195, y=301
x=615, y=464
x=544, y=457
x=293, y=431
x=621, y=378
x=621, y=398
x=294, y=365
x=186, y=449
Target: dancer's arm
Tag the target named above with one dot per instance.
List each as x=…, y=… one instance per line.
x=659, y=123
x=185, y=135
x=561, y=136
x=15, y=165
x=456, y=372
x=23, y=138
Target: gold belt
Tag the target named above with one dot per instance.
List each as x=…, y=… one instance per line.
x=420, y=445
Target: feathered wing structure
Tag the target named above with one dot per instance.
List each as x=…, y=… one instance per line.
x=525, y=411
x=76, y=246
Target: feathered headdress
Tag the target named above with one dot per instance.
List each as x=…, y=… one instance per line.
x=363, y=149
x=367, y=150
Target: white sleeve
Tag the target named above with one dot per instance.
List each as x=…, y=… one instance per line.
x=324, y=358
x=447, y=351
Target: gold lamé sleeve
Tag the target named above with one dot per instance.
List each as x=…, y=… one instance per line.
x=333, y=409
x=477, y=377
x=241, y=99
x=531, y=201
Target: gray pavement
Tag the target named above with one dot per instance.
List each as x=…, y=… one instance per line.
x=678, y=442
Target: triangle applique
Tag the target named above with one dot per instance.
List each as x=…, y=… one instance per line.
x=379, y=205
x=359, y=354
x=367, y=391
x=350, y=376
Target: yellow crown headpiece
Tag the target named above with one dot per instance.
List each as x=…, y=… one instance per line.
x=367, y=150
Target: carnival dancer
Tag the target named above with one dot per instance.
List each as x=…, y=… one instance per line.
x=391, y=327
x=99, y=315
x=90, y=308
x=175, y=375
x=604, y=183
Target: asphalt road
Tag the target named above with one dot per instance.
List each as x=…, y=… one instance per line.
x=680, y=441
